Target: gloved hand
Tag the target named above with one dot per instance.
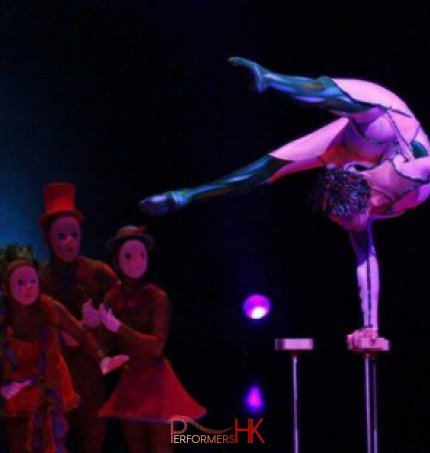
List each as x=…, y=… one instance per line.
x=353, y=338
x=109, y=364
x=12, y=389
x=90, y=315
x=108, y=318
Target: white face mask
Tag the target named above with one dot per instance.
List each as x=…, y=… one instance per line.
x=133, y=258
x=65, y=238
x=24, y=285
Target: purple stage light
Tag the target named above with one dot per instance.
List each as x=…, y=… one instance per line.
x=254, y=399
x=256, y=306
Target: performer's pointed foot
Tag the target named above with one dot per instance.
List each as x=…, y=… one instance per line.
x=162, y=204
x=259, y=84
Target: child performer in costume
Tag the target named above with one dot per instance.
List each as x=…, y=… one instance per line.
x=375, y=127
x=138, y=315
x=36, y=386
x=74, y=279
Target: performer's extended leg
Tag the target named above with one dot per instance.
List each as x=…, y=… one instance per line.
x=321, y=92
x=257, y=173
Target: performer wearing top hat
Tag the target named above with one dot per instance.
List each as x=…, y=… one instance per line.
x=375, y=128
x=74, y=280
x=138, y=315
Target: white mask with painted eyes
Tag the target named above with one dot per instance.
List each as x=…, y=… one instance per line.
x=133, y=258
x=24, y=285
x=65, y=238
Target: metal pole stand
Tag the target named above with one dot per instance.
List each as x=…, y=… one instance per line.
x=370, y=348
x=294, y=346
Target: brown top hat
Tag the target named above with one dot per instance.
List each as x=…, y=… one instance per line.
x=130, y=232
x=59, y=198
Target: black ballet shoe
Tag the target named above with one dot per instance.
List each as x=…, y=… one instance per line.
x=259, y=83
x=161, y=204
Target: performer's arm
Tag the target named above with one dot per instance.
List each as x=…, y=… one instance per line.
x=65, y=321
x=367, y=275
x=151, y=343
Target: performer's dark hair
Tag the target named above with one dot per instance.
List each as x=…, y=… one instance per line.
x=340, y=192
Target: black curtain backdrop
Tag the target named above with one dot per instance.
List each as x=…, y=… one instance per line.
x=129, y=98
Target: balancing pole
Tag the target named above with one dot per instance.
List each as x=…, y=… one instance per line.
x=369, y=348
x=294, y=346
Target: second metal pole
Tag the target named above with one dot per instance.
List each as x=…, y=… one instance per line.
x=294, y=361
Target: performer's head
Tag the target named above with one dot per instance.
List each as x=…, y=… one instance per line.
x=130, y=247
x=61, y=221
x=19, y=278
x=344, y=196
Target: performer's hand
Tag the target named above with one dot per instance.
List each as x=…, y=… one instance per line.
x=108, y=319
x=69, y=340
x=259, y=84
x=109, y=364
x=366, y=332
x=163, y=203
x=90, y=315
x=10, y=390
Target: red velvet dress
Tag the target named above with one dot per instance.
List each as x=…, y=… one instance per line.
x=149, y=389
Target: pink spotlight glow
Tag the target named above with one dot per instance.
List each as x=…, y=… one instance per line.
x=256, y=306
x=254, y=399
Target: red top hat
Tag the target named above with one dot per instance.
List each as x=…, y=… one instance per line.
x=59, y=198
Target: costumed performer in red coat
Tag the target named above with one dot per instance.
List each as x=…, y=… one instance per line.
x=73, y=279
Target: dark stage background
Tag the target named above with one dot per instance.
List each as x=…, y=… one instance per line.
x=129, y=98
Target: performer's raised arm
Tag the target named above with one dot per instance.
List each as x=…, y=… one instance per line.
x=367, y=278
